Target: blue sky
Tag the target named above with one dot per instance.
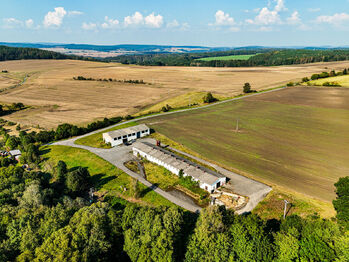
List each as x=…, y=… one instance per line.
x=180, y=22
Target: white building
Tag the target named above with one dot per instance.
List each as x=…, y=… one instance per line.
x=208, y=179
x=16, y=154
x=125, y=135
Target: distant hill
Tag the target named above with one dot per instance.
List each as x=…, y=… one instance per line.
x=122, y=48
x=18, y=53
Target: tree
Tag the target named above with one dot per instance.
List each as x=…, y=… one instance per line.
x=345, y=71
x=208, y=98
x=210, y=241
x=61, y=171
x=247, y=88
x=78, y=180
x=150, y=234
x=286, y=245
x=341, y=203
x=12, y=142
x=305, y=79
x=32, y=197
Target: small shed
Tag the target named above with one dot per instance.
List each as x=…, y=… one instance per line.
x=16, y=154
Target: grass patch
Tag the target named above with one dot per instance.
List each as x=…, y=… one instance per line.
x=225, y=58
x=179, y=102
x=105, y=176
x=96, y=140
x=341, y=80
x=166, y=180
x=273, y=206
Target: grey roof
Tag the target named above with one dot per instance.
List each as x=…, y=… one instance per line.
x=192, y=169
x=16, y=152
x=127, y=130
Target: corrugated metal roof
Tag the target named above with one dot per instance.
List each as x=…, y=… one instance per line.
x=194, y=170
x=127, y=130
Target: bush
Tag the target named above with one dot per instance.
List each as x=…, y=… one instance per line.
x=166, y=108
x=290, y=84
x=208, y=98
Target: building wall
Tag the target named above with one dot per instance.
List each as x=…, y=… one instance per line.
x=108, y=139
x=176, y=171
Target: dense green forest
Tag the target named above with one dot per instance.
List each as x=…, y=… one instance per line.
x=18, y=53
x=49, y=217
x=264, y=57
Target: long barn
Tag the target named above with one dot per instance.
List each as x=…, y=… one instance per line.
x=208, y=179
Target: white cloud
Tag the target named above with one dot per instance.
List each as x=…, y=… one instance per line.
x=336, y=19
x=268, y=16
x=294, y=19
x=135, y=19
x=314, y=10
x=29, y=23
x=173, y=24
x=110, y=23
x=153, y=20
x=223, y=19
x=265, y=17
x=280, y=6
x=11, y=22
x=75, y=13
x=89, y=26
x=55, y=18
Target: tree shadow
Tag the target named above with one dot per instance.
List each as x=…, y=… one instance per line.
x=148, y=189
x=99, y=180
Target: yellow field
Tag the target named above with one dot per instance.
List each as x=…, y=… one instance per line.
x=56, y=98
x=342, y=80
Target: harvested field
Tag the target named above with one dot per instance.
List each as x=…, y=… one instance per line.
x=296, y=138
x=57, y=98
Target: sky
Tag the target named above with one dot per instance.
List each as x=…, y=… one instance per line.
x=180, y=22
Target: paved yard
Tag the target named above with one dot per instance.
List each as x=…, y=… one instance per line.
x=117, y=156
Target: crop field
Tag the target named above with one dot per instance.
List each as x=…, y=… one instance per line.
x=296, y=138
x=54, y=97
x=342, y=80
x=224, y=58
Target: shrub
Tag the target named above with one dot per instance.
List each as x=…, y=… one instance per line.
x=290, y=84
x=208, y=98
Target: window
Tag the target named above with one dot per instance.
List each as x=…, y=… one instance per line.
x=115, y=138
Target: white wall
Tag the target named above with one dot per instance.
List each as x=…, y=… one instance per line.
x=108, y=139
x=176, y=171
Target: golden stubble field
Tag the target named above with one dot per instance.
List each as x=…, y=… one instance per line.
x=56, y=98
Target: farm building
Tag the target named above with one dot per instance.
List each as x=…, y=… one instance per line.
x=125, y=135
x=16, y=154
x=208, y=179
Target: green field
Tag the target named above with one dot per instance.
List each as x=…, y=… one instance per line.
x=225, y=58
x=105, y=176
x=96, y=140
x=296, y=138
x=342, y=80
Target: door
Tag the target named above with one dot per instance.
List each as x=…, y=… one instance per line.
x=218, y=184
x=138, y=134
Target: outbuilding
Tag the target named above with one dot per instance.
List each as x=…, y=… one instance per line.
x=120, y=136
x=207, y=179
x=16, y=154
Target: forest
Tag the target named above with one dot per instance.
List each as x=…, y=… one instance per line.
x=49, y=216
x=264, y=57
x=18, y=53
